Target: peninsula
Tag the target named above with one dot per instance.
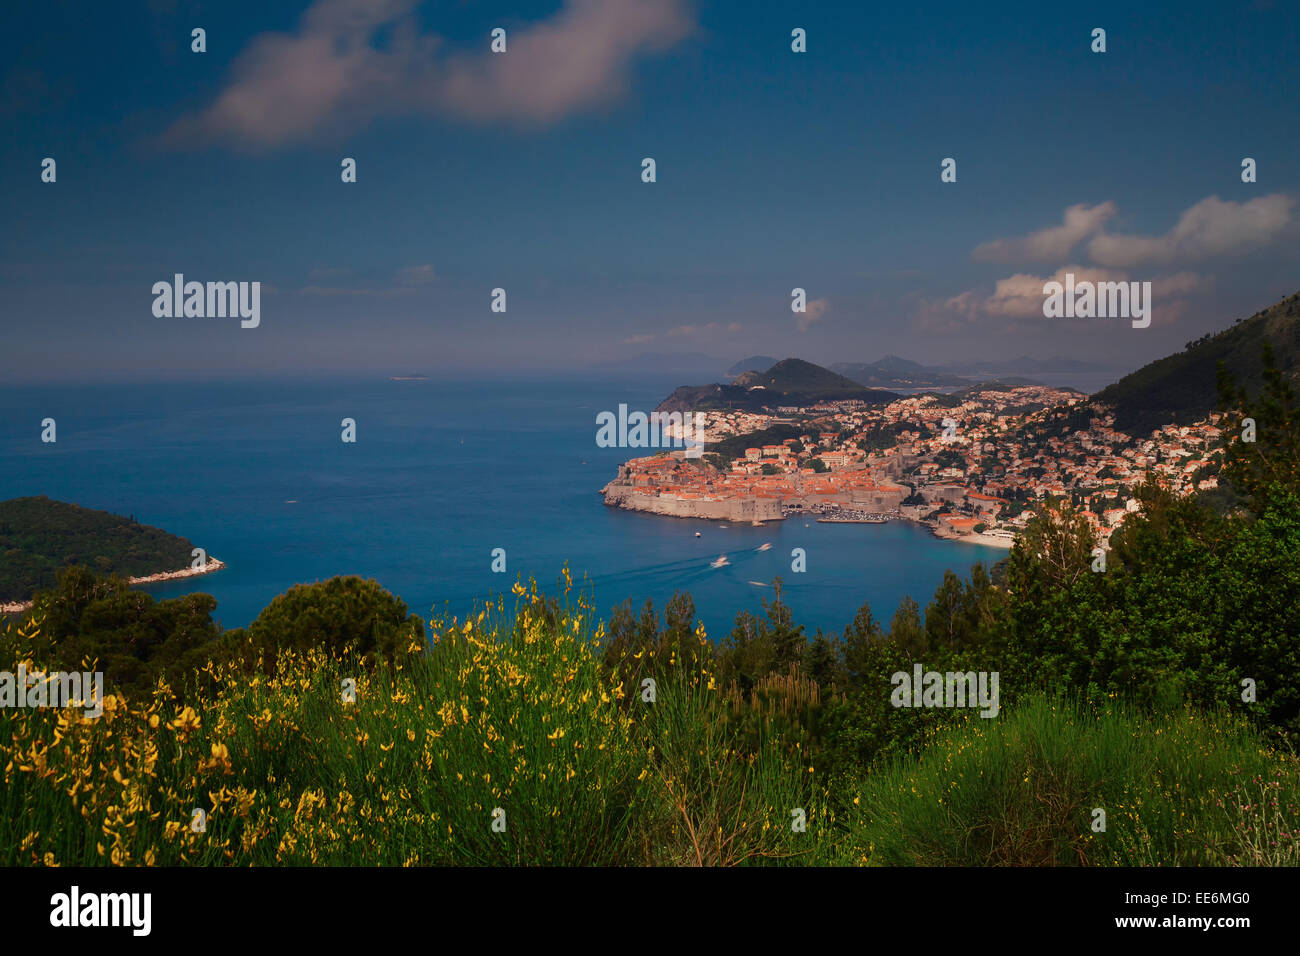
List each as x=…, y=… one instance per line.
x=38, y=536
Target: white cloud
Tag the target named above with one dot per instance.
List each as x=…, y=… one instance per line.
x=1052, y=244
x=1213, y=227
x=1021, y=296
x=1210, y=228
x=813, y=312
x=330, y=75
x=1181, y=284
x=416, y=275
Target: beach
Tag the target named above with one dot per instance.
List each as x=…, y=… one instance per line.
x=988, y=540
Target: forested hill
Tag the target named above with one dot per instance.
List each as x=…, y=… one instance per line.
x=1182, y=388
x=788, y=382
x=39, y=536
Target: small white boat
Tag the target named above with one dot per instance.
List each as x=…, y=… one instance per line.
x=765, y=546
x=722, y=562
x=697, y=534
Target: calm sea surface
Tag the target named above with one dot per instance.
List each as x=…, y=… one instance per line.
x=442, y=473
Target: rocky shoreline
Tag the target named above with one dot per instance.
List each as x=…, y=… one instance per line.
x=988, y=540
x=726, y=509
x=213, y=564
x=617, y=495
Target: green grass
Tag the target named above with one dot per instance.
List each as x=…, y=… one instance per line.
x=1176, y=790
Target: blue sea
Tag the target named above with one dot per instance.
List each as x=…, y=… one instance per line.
x=442, y=473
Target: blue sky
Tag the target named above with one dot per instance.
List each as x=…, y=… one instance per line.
x=522, y=170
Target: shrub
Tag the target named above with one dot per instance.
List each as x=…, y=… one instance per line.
x=1021, y=790
x=507, y=709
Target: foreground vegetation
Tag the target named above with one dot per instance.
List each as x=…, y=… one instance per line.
x=507, y=742
x=507, y=718
x=1033, y=789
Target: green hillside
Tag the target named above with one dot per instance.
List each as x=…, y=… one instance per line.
x=1182, y=388
x=795, y=375
x=39, y=536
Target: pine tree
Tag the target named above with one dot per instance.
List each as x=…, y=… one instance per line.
x=906, y=629
x=860, y=638
x=1273, y=458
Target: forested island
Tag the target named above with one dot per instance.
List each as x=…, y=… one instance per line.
x=40, y=536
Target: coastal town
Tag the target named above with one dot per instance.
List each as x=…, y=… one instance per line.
x=969, y=467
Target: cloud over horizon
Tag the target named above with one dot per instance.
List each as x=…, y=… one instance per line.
x=1210, y=228
x=813, y=312
x=1020, y=297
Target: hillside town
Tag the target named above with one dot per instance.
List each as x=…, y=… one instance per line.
x=969, y=467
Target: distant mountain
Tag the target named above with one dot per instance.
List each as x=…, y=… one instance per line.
x=1016, y=381
x=1183, y=387
x=755, y=363
x=788, y=382
x=894, y=372
x=796, y=375
x=1023, y=365
x=1004, y=385
x=893, y=363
